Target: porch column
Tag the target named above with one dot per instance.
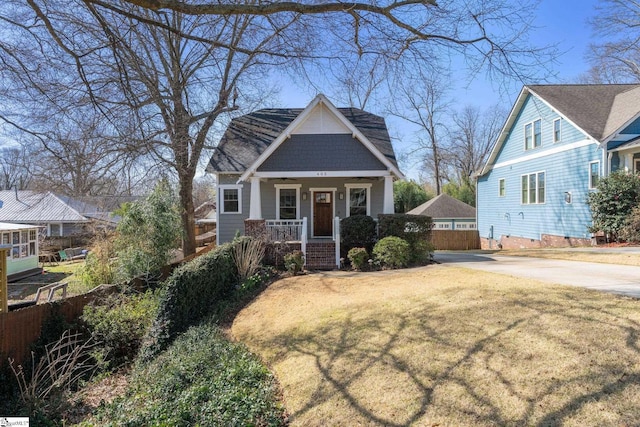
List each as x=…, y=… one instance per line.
x=255, y=204
x=387, y=207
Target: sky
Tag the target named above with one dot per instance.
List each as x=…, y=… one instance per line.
x=561, y=23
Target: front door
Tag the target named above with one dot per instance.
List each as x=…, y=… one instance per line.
x=322, y=214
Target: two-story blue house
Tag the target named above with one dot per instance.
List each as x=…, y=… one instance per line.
x=556, y=144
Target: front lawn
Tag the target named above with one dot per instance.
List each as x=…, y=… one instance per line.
x=446, y=346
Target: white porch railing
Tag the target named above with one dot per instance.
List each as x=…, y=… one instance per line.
x=336, y=239
x=285, y=230
x=288, y=230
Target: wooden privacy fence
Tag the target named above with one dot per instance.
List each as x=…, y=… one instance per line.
x=20, y=328
x=455, y=240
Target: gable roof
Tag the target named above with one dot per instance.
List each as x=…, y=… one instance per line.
x=35, y=207
x=598, y=110
x=253, y=135
x=444, y=207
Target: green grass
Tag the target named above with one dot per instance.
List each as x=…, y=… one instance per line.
x=74, y=276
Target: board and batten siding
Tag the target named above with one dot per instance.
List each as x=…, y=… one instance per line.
x=566, y=167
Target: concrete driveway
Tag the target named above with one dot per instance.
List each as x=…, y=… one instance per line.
x=619, y=279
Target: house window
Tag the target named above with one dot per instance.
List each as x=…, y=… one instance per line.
x=359, y=199
x=23, y=243
x=288, y=201
x=6, y=240
x=533, y=134
x=533, y=188
x=55, y=230
x=556, y=130
x=443, y=226
x=594, y=174
x=231, y=199
x=501, y=188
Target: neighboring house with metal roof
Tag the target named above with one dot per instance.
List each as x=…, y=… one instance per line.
x=447, y=213
x=293, y=173
x=22, y=256
x=58, y=215
x=558, y=141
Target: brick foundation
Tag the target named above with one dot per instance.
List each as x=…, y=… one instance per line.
x=547, y=241
x=321, y=256
x=255, y=228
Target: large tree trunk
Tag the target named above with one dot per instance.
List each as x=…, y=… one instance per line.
x=188, y=220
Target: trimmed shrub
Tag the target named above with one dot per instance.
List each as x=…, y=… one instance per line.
x=610, y=206
x=294, y=261
x=414, y=229
x=631, y=229
x=392, y=252
x=358, y=257
x=358, y=231
x=202, y=379
x=191, y=294
x=119, y=324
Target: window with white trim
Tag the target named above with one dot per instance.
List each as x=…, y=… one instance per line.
x=502, y=191
x=358, y=199
x=6, y=240
x=594, y=174
x=231, y=199
x=23, y=243
x=533, y=188
x=533, y=134
x=443, y=225
x=288, y=201
x=557, y=130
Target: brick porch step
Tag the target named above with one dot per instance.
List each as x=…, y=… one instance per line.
x=321, y=256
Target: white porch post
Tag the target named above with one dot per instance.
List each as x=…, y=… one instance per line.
x=255, y=204
x=387, y=207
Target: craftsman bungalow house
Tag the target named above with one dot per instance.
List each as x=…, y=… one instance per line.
x=556, y=144
x=294, y=173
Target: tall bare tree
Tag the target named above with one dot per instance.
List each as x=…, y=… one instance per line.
x=170, y=70
x=472, y=137
x=616, y=58
x=424, y=101
x=15, y=168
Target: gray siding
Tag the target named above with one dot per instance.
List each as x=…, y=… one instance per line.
x=332, y=152
x=229, y=223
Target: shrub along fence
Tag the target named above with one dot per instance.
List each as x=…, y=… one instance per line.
x=455, y=240
x=21, y=328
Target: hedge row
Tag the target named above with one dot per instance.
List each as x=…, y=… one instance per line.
x=190, y=295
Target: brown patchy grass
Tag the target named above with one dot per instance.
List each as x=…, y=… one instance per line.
x=446, y=346
x=604, y=258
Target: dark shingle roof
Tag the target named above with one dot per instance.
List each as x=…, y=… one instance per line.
x=444, y=206
x=598, y=109
x=249, y=136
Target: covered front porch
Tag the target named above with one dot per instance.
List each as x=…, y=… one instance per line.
x=306, y=211
x=624, y=156
x=319, y=253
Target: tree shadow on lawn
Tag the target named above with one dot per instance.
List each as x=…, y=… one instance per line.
x=515, y=359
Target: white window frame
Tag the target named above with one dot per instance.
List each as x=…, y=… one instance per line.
x=279, y=187
x=591, y=186
x=502, y=187
x=553, y=130
x=221, y=189
x=533, y=135
x=59, y=224
x=347, y=197
x=537, y=190
x=23, y=244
